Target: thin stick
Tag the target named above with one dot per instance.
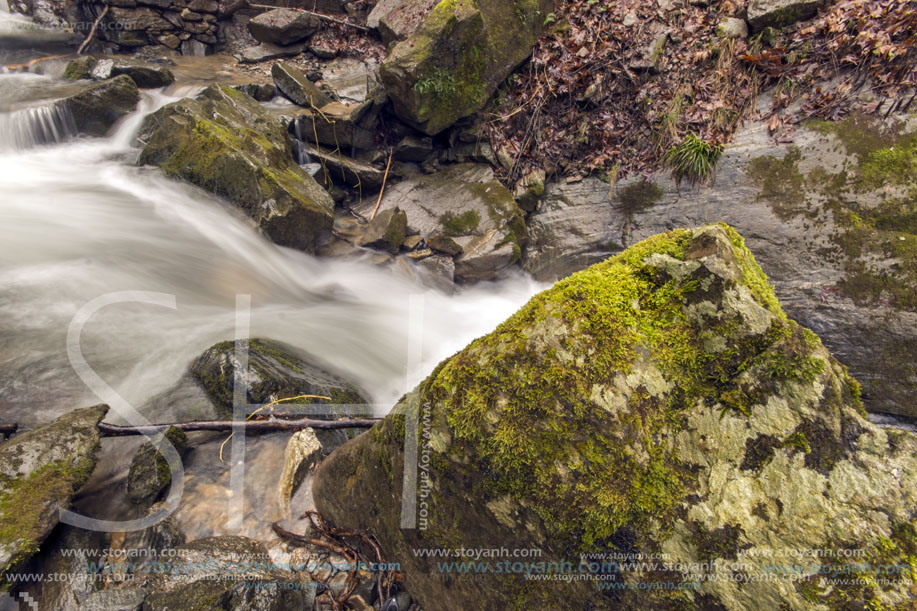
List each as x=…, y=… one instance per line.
x=92, y=32
x=319, y=15
x=32, y=62
x=384, y=178
x=252, y=426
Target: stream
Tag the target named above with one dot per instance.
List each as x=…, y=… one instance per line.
x=79, y=221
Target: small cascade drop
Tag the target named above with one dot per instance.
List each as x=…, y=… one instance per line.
x=30, y=127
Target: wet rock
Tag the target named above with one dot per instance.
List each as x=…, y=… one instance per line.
x=229, y=573
x=294, y=85
x=413, y=148
x=844, y=276
x=455, y=59
x=346, y=171
x=337, y=125
x=266, y=51
x=444, y=244
x=98, y=107
x=465, y=204
x=576, y=428
x=276, y=371
x=302, y=453
x=79, y=68
x=353, y=81
x=227, y=143
x=386, y=231
x=117, y=599
x=146, y=77
x=397, y=19
x=149, y=474
x=779, y=13
x=40, y=471
x=261, y=92
x=283, y=26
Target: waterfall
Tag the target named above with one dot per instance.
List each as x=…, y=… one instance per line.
x=30, y=127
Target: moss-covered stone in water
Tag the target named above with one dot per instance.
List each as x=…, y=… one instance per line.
x=100, y=105
x=149, y=474
x=79, y=68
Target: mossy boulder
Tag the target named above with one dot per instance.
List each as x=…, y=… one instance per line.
x=462, y=211
x=79, y=68
x=779, y=13
x=40, y=471
x=227, y=143
x=619, y=414
x=458, y=55
x=98, y=107
x=275, y=371
x=386, y=231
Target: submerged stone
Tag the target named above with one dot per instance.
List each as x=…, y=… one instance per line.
x=612, y=415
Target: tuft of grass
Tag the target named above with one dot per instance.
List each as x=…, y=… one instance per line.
x=694, y=159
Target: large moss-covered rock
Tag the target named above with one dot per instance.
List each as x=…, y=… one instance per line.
x=230, y=145
x=831, y=217
x=456, y=58
x=659, y=406
x=99, y=106
x=39, y=472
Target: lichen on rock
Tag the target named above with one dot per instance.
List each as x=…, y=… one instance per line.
x=659, y=402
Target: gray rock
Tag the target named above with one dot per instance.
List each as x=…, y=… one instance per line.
x=229, y=573
x=117, y=599
x=352, y=80
x=296, y=87
x=146, y=77
x=261, y=92
x=227, y=143
x=467, y=205
x=283, y=26
x=779, y=13
x=336, y=125
x=346, y=171
x=266, y=51
x=730, y=27
x=67, y=551
x=397, y=19
x=386, y=231
x=414, y=148
x=577, y=428
x=99, y=106
x=149, y=474
x=793, y=204
x=40, y=471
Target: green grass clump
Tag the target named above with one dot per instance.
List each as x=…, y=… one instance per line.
x=694, y=159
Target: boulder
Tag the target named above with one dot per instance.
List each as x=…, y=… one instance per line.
x=779, y=13
x=263, y=92
x=146, y=77
x=345, y=126
x=386, y=231
x=99, y=106
x=659, y=405
x=413, y=149
x=294, y=85
x=339, y=169
x=469, y=207
x=276, y=371
x=397, y=19
x=227, y=573
x=79, y=68
x=40, y=471
x=266, y=51
x=149, y=474
x=455, y=59
x=830, y=218
x=228, y=144
x=282, y=26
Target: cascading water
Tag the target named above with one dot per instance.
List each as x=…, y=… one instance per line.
x=78, y=221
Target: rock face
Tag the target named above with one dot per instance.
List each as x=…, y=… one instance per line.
x=397, y=19
x=99, y=106
x=230, y=145
x=39, y=472
x=294, y=85
x=448, y=68
x=283, y=26
x=830, y=218
x=277, y=371
x=466, y=207
x=657, y=403
x=779, y=13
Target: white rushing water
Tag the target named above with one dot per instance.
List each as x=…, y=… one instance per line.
x=78, y=221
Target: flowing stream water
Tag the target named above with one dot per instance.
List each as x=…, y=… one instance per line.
x=79, y=221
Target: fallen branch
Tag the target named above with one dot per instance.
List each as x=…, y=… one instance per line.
x=92, y=31
x=382, y=190
x=32, y=62
x=314, y=14
x=251, y=426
